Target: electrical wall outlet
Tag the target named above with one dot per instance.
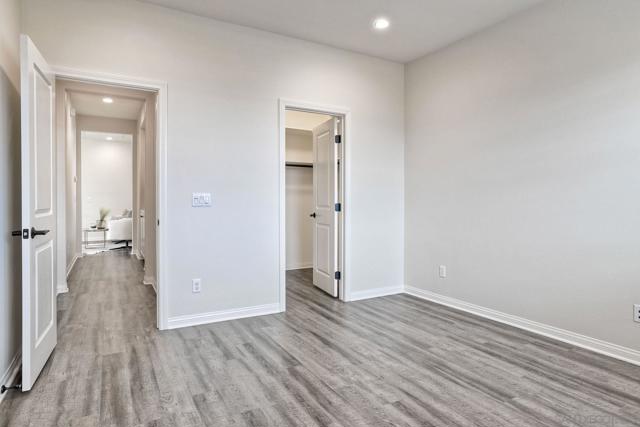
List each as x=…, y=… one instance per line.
x=442, y=271
x=636, y=313
x=196, y=286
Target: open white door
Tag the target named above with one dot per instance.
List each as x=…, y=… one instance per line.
x=38, y=212
x=325, y=197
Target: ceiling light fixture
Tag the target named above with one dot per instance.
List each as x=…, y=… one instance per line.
x=107, y=100
x=381, y=24
x=109, y=138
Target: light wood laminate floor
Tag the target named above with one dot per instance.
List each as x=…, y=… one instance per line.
x=392, y=361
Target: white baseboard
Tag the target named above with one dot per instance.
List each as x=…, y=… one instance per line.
x=11, y=373
x=221, y=316
x=73, y=263
x=148, y=280
x=300, y=267
x=578, y=340
x=374, y=293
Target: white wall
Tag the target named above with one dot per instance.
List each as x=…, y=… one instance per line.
x=139, y=191
x=10, y=279
x=107, y=178
x=71, y=180
x=96, y=124
x=299, y=146
x=150, y=190
x=522, y=168
x=224, y=82
x=302, y=120
x=299, y=200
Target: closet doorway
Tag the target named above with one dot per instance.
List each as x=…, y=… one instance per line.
x=313, y=212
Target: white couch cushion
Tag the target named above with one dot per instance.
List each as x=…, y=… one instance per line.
x=120, y=229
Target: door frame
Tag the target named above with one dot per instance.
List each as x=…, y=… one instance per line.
x=162, y=315
x=344, y=258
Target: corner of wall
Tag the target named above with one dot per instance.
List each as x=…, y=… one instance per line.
x=10, y=218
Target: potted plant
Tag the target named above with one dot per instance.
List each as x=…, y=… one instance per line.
x=102, y=222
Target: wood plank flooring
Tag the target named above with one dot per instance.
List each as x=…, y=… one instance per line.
x=391, y=361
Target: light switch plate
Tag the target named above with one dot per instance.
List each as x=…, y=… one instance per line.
x=636, y=313
x=201, y=200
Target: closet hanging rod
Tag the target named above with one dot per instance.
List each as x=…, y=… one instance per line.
x=299, y=165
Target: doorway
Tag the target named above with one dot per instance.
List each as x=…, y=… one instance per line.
x=312, y=198
x=110, y=184
x=49, y=142
x=105, y=187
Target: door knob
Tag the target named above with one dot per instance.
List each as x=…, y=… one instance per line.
x=313, y=215
x=35, y=232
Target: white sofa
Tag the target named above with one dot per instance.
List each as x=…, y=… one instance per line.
x=120, y=230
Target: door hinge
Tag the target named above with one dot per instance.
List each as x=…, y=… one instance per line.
x=338, y=275
x=338, y=139
x=338, y=207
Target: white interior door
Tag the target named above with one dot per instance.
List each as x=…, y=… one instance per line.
x=38, y=213
x=325, y=194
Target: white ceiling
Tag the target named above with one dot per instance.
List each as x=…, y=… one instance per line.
x=90, y=104
x=304, y=121
x=417, y=27
x=102, y=136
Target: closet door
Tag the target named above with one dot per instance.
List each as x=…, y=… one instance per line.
x=325, y=194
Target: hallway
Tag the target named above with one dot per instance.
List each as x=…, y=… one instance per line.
x=387, y=361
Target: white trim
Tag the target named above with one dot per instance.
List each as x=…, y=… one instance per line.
x=73, y=264
x=283, y=105
x=161, y=166
x=63, y=288
x=162, y=264
x=377, y=292
x=583, y=341
x=9, y=376
x=303, y=266
x=223, y=315
x=150, y=281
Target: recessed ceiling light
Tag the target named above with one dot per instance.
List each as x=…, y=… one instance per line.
x=381, y=24
x=107, y=100
x=109, y=138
